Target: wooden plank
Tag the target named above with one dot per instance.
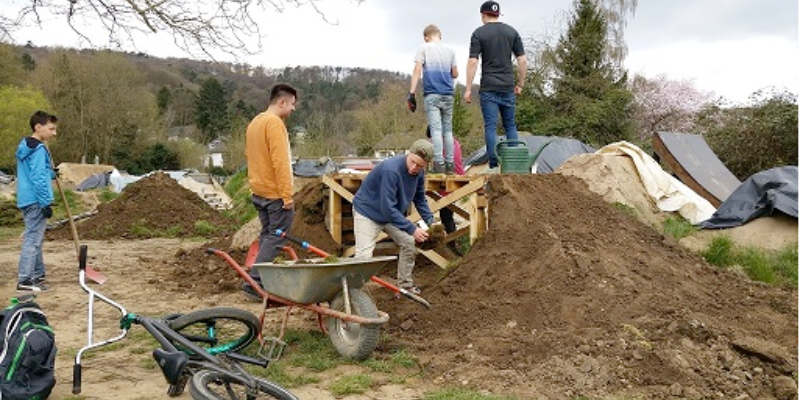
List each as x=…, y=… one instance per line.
x=336, y=187
x=458, y=194
x=435, y=258
x=335, y=216
x=457, y=234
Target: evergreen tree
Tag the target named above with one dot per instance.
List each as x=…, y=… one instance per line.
x=462, y=124
x=163, y=99
x=28, y=63
x=587, y=97
x=211, y=110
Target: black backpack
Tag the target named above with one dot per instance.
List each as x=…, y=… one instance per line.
x=27, y=353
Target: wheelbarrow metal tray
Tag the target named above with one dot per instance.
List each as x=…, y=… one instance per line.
x=314, y=281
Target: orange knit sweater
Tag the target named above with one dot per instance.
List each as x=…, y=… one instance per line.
x=269, y=167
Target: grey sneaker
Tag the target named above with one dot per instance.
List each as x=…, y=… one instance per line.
x=493, y=171
x=29, y=286
x=449, y=168
x=438, y=168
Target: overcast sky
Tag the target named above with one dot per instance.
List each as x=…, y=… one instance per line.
x=730, y=47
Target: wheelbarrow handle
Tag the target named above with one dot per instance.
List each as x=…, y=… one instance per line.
x=305, y=245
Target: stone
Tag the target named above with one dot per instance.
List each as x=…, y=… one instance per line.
x=511, y=324
x=675, y=389
x=407, y=324
x=584, y=348
x=784, y=387
x=743, y=396
x=758, y=370
x=637, y=356
x=691, y=393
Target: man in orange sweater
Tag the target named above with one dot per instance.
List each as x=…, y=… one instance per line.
x=269, y=170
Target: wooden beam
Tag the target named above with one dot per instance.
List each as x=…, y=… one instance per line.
x=435, y=258
x=335, y=216
x=335, y=186
x=457, y=234
x=458, y=194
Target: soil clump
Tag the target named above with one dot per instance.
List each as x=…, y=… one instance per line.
x=156, y=206
x=567, y=296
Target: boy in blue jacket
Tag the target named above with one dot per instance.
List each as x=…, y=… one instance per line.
x=381, y=203
x=34, y=197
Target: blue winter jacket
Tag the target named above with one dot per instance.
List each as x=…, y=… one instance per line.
x=387, y=191
x=34, y=174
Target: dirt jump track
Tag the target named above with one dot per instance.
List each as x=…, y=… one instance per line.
x=566, y=296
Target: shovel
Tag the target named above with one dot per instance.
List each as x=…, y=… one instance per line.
x=90, y=272
x=322, y=253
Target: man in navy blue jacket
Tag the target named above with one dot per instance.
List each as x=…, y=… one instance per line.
x=381, y=204
x=34, y=197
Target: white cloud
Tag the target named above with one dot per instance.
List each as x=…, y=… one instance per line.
x=731, y=68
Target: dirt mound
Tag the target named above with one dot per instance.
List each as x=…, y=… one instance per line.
x=614, y=178
x=156, y=206
x=210, y=274
x=567, y=296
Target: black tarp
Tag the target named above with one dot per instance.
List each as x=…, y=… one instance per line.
x=556, y=151
x=313, y=168
x=764, y=193
x=95, y=181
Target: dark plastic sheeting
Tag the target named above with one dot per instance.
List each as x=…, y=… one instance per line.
x=313, y=168
x=761, y=194
x=95, y=181
x=553, y=155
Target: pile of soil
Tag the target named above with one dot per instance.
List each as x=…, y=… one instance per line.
x=206, y=274
x=567, y=296
x=155, y=206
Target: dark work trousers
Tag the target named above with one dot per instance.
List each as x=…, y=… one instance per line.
x=447, y=220
x=273, y=216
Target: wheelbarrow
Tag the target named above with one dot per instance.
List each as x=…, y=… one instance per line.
x=352, y=321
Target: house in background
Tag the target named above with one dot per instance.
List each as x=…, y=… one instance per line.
x=214, y=156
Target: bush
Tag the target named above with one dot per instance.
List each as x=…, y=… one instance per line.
x=755, y=138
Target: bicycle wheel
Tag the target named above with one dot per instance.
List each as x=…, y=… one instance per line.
x=217, y=330
x=214, y=385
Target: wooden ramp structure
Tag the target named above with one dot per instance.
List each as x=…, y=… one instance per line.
x=341, y=189
x=690, y=158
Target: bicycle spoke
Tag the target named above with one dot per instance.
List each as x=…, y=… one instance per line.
x=230, y=391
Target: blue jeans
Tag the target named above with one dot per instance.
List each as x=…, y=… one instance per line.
x=31, y=262
x=491, y=103
x=439, y=109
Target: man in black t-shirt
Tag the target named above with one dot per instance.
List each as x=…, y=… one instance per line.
x=495, y=43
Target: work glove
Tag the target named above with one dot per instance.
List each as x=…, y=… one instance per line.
x=47, y=212
x=412, y=102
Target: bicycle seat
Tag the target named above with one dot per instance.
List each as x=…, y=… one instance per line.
x=171, y=363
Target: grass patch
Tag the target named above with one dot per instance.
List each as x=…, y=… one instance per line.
x=75, y=205
x=148, y=363
x=624, y=208
x=769, y=266
x=397, y=360
x=107, y=195
x=462, y=394
x=312, y=350
x=140, y=229
x=350, y=384
x=678, y=227
x=238, y=188
x=11, y=232
x=278, y=374
x=204, y=228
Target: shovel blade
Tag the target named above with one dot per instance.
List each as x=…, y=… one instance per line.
x=95, y=275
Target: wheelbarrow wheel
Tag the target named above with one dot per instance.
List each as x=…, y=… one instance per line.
x=352, y=340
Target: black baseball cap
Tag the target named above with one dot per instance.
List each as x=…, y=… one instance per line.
x=491, y=8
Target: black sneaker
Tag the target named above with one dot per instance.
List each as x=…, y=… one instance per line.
x=449, y=168
x=29, y=286
x=40, y=279
x=438, y=168
x=250, y=292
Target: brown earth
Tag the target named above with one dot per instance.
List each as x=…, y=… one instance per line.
x=194, y=269
x=155, y=206
x=566, y=296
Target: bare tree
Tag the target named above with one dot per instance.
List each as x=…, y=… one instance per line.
x=616, y=13
x=204, y=26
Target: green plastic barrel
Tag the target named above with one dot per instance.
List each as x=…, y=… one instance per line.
x=513, y=157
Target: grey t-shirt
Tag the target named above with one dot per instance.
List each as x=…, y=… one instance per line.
x=495, y=43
